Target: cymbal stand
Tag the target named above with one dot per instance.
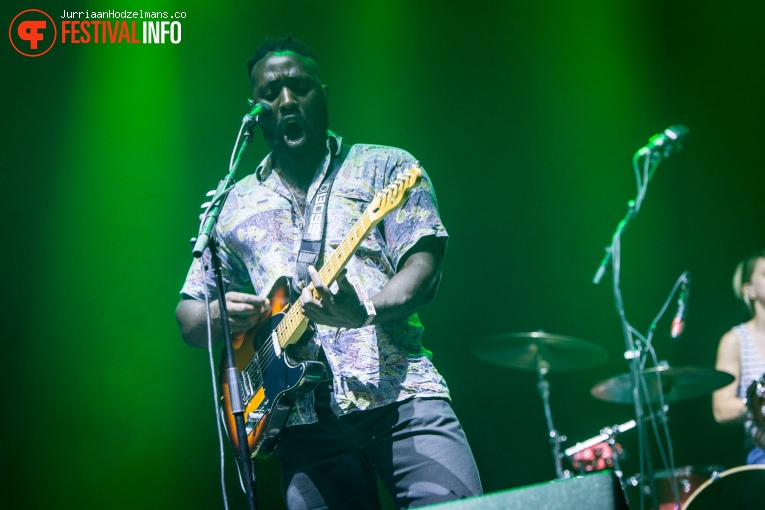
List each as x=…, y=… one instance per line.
x=544, y=391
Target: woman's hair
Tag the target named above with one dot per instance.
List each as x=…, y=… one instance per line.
x=743, y=275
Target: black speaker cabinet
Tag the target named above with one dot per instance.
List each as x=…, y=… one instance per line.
x=597, y=491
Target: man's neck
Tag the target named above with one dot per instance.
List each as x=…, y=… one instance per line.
x=298, y=170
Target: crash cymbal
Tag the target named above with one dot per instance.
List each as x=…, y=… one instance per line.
x=522, y=351
x=680, y=383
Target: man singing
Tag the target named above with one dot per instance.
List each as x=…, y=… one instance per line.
x=382, y=409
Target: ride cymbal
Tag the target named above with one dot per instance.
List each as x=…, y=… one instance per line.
x=676, y=384
x=523, y=351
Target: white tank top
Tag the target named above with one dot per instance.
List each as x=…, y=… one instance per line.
x=752, y=367
x=752, y=364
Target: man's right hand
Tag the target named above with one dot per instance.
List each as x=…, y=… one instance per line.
x=244, y=310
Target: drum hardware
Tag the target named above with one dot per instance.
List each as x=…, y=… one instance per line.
x=543, y=386
x=541, y=352
x=605, y=434
x=661, y=385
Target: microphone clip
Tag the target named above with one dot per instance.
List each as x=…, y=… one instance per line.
x=664, y=143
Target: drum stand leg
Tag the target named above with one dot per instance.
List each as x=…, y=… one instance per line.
x=544, y=391
x=611, y=441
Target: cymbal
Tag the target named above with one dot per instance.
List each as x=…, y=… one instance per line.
x=677, y=384
x=523, y=350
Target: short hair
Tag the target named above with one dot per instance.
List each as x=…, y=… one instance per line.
x=285, y=43
x=743, y=275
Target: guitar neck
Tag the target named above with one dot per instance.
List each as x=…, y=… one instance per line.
x=328, y=273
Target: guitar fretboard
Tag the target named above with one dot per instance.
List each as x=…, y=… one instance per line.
x=332, y=267
x=385, y=201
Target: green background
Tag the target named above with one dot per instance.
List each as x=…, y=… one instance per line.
x=525, y=114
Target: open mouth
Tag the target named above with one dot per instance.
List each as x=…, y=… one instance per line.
x=294, y=132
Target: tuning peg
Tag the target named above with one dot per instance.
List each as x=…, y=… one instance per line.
x=205, y=205
x=210, y=193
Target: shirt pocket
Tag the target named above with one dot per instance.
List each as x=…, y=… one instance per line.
x=346, y=206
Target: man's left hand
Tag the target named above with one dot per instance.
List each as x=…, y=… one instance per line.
x=341, y=309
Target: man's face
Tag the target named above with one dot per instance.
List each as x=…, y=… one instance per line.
x=289, y=83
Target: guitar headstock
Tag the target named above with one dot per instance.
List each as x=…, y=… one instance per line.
x=395, y=193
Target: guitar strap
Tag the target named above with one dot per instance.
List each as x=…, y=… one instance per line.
x=316, y=220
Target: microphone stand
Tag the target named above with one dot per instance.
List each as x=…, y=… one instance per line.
x=658, y=147
x=206, y=240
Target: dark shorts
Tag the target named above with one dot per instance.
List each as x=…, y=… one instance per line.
x=416, y=447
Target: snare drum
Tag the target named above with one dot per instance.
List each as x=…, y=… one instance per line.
x=595, y=458
x=737, y=488
x=755, y=400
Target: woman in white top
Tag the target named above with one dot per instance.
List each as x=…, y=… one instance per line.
x=742, y=353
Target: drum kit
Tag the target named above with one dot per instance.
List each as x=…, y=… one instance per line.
x=689, y=487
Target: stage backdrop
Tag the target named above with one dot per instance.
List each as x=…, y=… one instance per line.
x=525, y=114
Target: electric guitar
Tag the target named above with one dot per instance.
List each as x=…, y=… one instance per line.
x=270, y=381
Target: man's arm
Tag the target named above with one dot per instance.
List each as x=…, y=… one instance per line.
x=244, y=312
x=411, y=288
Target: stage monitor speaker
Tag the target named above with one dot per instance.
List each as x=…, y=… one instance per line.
x=597, y=491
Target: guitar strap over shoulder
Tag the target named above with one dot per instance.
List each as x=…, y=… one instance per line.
x=311, y=246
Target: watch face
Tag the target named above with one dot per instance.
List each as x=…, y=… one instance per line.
x=371, y=312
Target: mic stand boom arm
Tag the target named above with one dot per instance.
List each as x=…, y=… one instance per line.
x=617, y=235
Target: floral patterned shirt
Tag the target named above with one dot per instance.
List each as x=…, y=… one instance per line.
x=259, y=233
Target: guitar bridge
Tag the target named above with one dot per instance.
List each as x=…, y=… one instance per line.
x=253, y=419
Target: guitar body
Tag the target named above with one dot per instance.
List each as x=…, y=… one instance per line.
x=270, y=380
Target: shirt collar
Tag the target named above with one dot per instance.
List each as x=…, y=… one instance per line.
x=334, y=146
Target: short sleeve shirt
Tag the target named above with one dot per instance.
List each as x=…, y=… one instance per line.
x=259, y=233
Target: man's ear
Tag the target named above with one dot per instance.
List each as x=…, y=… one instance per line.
x=325, y=89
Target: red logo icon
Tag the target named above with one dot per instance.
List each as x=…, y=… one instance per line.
x=32, y=33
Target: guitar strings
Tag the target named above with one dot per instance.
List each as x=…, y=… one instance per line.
x=266, y=353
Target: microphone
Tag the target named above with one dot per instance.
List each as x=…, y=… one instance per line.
x=259, y=113
x=678, y=323
x=666, y=140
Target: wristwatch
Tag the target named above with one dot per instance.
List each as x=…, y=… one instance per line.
x=371, y=312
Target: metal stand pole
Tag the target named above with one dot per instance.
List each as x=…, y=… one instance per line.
x=544, y=391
